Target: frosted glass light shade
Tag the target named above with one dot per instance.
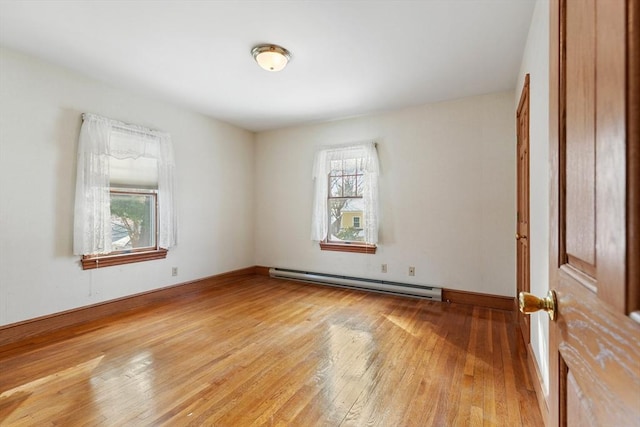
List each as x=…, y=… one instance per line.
x=271, y=57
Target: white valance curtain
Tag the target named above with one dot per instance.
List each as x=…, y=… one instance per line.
x=366, y=153
x=102, y=139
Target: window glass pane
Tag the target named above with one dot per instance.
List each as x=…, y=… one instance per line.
x=335, y=217
x=342, y=214
x=132, y=221
x=336, y=168
x=359, y=185
x=349, y=166
x=349, y=186
x=335, y=187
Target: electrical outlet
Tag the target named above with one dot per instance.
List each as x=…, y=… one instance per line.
x=174, y=271
x=383, y=268
x=412, y=271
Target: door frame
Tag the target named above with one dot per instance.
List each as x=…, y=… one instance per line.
x=523, y=248
x=633, y=155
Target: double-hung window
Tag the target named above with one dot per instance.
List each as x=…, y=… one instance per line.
x=346, y=181
x=345, y=214
x=356, y=222
x=124, y=208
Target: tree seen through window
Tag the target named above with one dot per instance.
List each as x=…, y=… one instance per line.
x=345, y=200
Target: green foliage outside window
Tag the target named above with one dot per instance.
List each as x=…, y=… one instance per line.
x=134, y=213
x=349, y=234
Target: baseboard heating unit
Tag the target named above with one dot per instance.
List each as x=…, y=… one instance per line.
x=404, y=289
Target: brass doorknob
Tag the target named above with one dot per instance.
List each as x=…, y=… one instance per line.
x=520, y=236
x=530, y=303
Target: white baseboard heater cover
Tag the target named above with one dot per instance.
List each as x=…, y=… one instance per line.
x=404, y=289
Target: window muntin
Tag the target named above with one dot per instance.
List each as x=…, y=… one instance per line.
x=345, y=181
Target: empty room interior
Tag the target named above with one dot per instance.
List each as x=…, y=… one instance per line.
x=319, y=213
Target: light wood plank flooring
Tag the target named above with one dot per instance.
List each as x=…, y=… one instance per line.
x=261, y=351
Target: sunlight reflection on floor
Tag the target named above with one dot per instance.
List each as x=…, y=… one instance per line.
x=26, y=394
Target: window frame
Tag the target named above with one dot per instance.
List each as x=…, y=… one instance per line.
x=145, y=192
x=354, y=246
x=128, y=256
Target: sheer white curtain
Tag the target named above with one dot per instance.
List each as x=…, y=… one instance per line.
x=364, y=151
x=102, y=139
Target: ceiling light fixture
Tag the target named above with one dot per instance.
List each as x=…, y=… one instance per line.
x=271, y=57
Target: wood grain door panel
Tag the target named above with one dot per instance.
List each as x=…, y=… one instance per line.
x=594, y=346
x=580, y=135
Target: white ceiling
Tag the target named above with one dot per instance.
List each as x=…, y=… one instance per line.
x=349, y=57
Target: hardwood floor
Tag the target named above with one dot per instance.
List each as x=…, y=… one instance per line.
x=261, y=351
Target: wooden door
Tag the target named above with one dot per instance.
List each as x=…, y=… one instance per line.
x=522, y=214
x=594, y=343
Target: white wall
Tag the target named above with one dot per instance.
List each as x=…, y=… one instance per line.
x=447, y=191
x=535, y=61
x=40, y=117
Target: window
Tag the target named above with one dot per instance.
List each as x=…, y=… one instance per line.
x=345, y=216
x=346, y=178
x=124, y=194
x=133, y=220
x=356, y=222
